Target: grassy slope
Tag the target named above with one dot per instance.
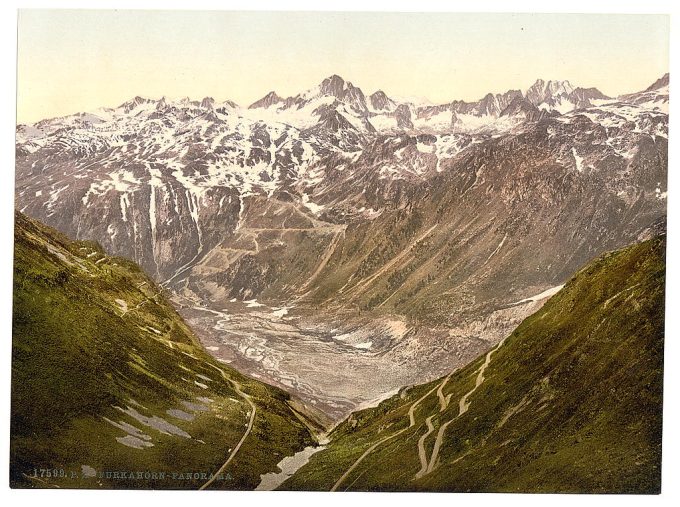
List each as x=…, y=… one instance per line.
x=76, y=356
x=571, y=401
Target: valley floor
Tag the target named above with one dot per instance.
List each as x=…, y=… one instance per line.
x=336, y=364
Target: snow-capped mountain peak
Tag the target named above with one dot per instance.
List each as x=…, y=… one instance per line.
x=379, y=101
x=334, y=85
x=562, y=97
x=183, y=165
x=268, y=100
x=541, y=90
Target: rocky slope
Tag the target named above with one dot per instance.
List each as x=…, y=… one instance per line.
x=570, y=402
x=106, y=377
x=345, y=208
x=165, y=182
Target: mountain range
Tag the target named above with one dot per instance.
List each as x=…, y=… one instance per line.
x=360, y=291
x=367, y=232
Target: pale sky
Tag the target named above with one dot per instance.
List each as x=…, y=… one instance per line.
x=72, y=61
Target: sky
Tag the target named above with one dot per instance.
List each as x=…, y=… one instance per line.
x=79, y=60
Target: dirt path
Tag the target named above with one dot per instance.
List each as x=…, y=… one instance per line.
x=361, y=458
x=253, y=410
x=443, y=403
x=422, y=454
x=250, y=233
x=322, y=228
x=411, y=424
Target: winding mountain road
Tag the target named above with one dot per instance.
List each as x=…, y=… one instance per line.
x=422, y=455
x=411, y=424
x=463, y=406
x=443, y=404
x=232, y=454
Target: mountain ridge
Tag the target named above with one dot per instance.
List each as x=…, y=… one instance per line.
x=335, y=81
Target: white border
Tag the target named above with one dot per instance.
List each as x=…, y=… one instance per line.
x=671, y=470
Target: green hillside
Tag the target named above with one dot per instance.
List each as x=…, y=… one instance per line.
x=569, y=402
x=107, y=378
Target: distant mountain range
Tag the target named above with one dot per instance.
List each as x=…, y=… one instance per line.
x=346, y=208
x=197, y=161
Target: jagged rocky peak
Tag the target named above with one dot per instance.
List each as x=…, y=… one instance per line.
x=488, y=105
x=541, y=90
x=380, y=101
x=403, y=116
x=589, y=94
x=561, y=96
x=355, y=97
x=659, y=83
x=521, y=107
x=229, y=103
x=207, y=102
x=344, y=91
x=333, y=85
x=557, y=87
x=506, y=98
x=133, y=103
x=493, y=105
x=655, y=96
x=583, y=97
x=268, y=100
x=187, y=102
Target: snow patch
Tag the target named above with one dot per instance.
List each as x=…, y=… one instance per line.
x=313, y=207
x=578, y=160
x=287, y=466
x=543, y=295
